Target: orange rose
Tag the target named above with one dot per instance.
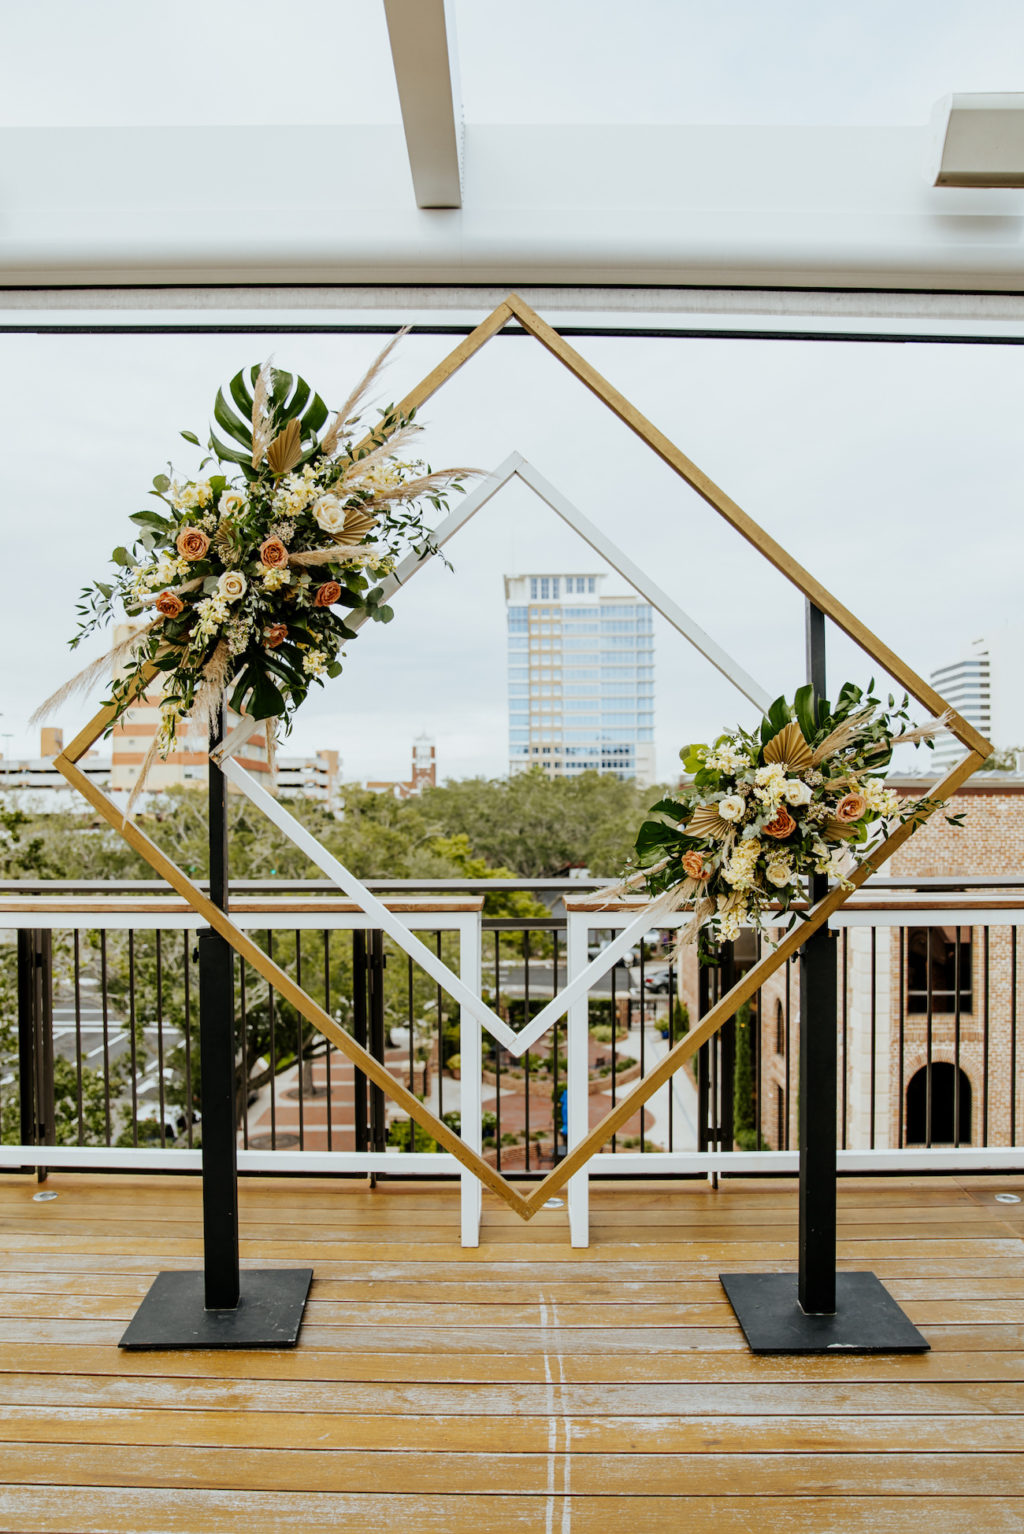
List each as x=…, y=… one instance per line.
x=327, y=594
x=275, y=635
x=192, y=544
x=781, y=826
x=851, y=807
x=694, y=865
x=273, y=553
x=168, y=605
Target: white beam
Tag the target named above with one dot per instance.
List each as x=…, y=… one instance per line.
x=422, y=34
x=979, y=140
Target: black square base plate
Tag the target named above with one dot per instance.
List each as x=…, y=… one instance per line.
x=867, y=1318
x=268, y=1313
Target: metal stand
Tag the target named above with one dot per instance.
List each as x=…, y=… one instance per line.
x=220, y=1307
x=818, y=1310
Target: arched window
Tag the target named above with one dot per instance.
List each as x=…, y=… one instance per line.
x=939, y=1106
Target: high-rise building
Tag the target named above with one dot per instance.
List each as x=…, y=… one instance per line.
x=986, y=686
x=315, y=776
x=580, y=677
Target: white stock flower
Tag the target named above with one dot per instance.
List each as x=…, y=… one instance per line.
x=314, y=662
x=329, y=513
x=731, y=807
x=274, y=577
x=231, y=585
x=795, y=792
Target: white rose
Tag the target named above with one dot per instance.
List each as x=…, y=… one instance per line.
x=231, y=503
x=732, y=807
x=231, y=585
x=329, y=513
x=778, y=874
x=795, y=792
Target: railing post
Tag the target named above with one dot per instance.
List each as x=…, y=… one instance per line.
x=35, y=1039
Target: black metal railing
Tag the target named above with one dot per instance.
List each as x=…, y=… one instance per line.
x=99, y=1035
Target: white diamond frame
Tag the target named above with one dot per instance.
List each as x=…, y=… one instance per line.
x=514, y=467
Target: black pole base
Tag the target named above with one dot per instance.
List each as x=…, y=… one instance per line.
x=268, y=1314
x=867, y=1318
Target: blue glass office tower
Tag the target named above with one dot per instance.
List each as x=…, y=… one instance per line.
x=580, y=677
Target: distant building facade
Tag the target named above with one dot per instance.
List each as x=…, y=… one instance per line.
x=184, y=767
x=580, y=678
x=986, y=685
x=38, y=778
x=423, y=773
x=316, y=776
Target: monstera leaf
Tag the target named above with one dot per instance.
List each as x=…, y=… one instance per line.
x=289, y=399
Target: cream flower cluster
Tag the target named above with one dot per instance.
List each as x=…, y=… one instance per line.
x=726, y=758
x=314, y=662
x=883, y=801
x=741, y=869
x=195, y=494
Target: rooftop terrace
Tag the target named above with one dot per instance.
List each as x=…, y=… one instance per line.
x=518, y=1386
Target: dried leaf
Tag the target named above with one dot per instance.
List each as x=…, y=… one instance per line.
x=706, y=821
x=790, y=749
x=286, y=449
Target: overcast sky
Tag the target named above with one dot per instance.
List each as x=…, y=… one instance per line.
x=892, y=472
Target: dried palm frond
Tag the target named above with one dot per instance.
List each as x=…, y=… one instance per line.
x=358, y=469
x=840, y=830
x=216, y=674
x=286, y=449
x=261, y=421
x=422, y=486
x=790, y=749
x=331, y=437
x=144, y=771
x=842, y=734
x=270, y=728
x=102, y=669
x=602, y=898
x=706, y=821
x=926, y=731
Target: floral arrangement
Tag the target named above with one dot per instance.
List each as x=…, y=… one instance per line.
x=242, y=582
x=765, y=810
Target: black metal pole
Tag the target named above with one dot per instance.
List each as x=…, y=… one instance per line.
x=217, y=1063
x=814, y=1310
x=818, y=1058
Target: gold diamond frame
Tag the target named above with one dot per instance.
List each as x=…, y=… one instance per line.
x=978, y=748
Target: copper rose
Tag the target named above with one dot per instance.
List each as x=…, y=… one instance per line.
x=851, y=807
x=273, y=553
x=327, y=594
x=168, y=605
x=781, y=825
x=192, y=544
x=694, y=865
x=275, y=635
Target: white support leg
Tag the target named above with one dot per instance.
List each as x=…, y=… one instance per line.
x=471, y=1074
x=578, y=1081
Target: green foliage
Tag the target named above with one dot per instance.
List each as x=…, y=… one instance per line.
x=744, y=1087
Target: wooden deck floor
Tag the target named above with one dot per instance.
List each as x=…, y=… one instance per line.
x=522, y=1386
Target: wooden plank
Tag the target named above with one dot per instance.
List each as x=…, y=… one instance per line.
x=510, y=1400
x=62, y=1510
x=470, y=1474
x=626, y=1317
x=514, y=1434
x=458, y=1367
